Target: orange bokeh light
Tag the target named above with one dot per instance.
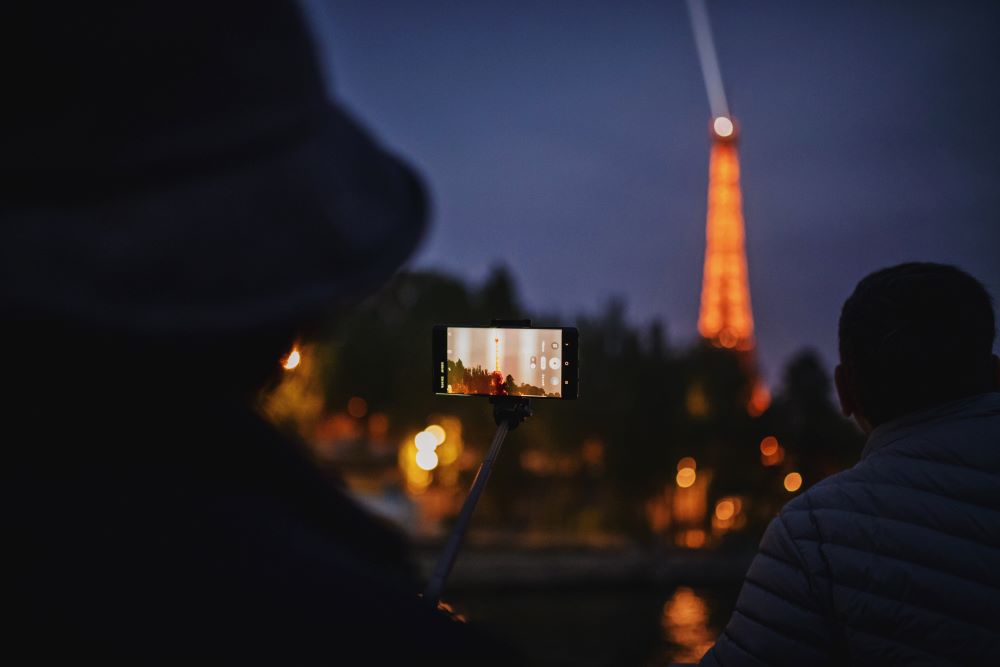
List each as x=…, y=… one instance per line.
x=776, y=455
x=793, y=482
x=694, y=538
x=725, y=510
x=357, y=407
x=769, y=446
x=686, y=477
x=760, y=399
x=378, y=425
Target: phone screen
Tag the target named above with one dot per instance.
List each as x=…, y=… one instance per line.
x=501, y=361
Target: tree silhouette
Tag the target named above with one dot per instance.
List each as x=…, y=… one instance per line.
x=633, y=400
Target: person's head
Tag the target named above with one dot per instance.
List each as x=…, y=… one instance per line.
x=914, y=336
x=180, y=197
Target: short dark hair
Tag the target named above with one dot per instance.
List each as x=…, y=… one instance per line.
x=914, y=336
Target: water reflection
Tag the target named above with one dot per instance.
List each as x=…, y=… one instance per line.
x=602, y=627
x=686, y=624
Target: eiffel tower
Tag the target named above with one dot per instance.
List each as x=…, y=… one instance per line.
x=726, y=318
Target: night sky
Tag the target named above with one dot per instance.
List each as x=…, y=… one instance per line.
x=569, y=140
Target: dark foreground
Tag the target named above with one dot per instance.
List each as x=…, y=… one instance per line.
x=597, y=606
x=604, y=626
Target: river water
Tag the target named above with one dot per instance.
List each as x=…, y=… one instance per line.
x=595, y=628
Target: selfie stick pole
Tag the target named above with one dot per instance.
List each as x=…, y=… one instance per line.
x=508, y=413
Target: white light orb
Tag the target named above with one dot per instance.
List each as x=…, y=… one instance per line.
x=723, y=126
x=427, y=459
x=437, y=432
x=425, y=441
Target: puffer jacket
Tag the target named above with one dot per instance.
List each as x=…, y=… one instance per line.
x=893, y=562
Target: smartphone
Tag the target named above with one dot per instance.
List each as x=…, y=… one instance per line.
x=540, y=362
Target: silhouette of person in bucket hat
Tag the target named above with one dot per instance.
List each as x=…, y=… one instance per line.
x=179, y=199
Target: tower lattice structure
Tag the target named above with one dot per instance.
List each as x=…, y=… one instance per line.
x=726, y=317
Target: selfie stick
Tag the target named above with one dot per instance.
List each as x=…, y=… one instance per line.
x=508, y=413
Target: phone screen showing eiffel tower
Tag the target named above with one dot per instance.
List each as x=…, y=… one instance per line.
x=495, y=361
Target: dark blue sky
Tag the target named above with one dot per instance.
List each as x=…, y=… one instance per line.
x=569, y=140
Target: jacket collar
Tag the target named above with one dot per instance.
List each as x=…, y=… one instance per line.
x=963, y=408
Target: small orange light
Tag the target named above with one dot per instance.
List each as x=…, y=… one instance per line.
x=725, y=510
x=694, y=538
x=378, y=425
x=687, y=462
x=793, y=482
x=769, y=446
x=686, y=477
x=357, y=407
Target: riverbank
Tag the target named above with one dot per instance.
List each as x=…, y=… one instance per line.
x=495, y=566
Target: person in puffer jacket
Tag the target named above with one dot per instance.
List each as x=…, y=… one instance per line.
x=895, y=561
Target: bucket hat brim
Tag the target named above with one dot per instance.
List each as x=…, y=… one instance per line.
x=289, y=231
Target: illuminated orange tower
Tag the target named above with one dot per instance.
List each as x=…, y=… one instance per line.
x=726, y=318
x=499, y=387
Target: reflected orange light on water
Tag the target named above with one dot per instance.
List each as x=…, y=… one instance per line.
x=685, y=623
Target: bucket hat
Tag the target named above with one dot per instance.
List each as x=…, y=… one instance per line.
x=179, y=168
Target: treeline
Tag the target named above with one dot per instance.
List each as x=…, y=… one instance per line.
x=644, y=403
x=478, y=380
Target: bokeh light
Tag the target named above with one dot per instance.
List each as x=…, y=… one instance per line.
x=425, y=441
x=725, y=510
x=793, y=482
x=292, y=361
x=723, y=126
x=427, y=459
x=357, y=407
x=438, y=432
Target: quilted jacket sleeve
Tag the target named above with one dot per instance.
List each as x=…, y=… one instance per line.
x=781, y=617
